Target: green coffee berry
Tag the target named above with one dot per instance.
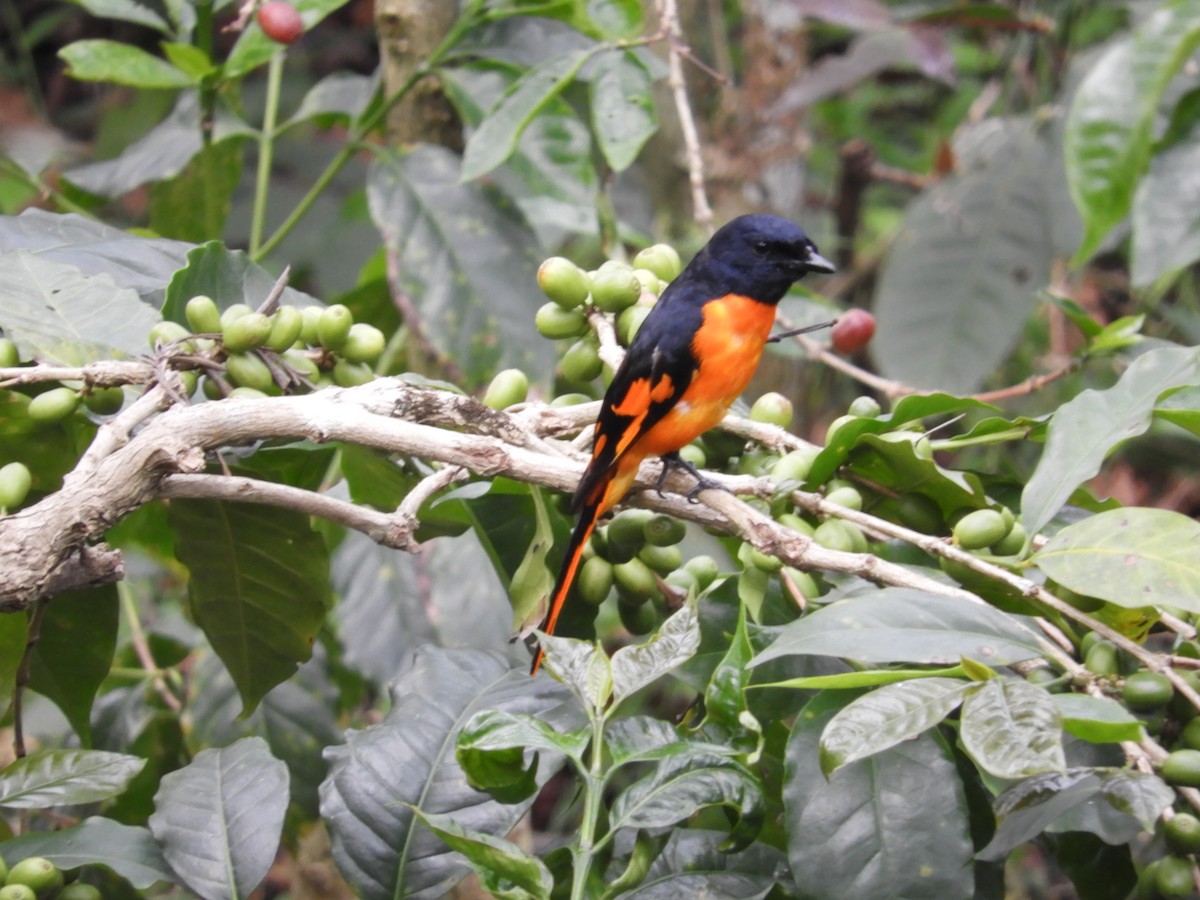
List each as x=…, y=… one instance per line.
x=661, y=259
x=846, y=496
x=563, y=282
x=795, y=465
x=15, y=482
x=364, y=344
x=333, y=328
x=509, y=387
x=37, y=873
x=980, y=529
x=351, y=374
x=246, y=332
x=9, y=356
x=167, y=332
x=286, y=326
x=704, y=568
x=663, y=530
x=615, y=287
x=864, y=407
x=634, y=579
x=52, y=405
x=310, y=319
x=581, y=362
x=1145, y=691
x=630, y=321
x=556, y=323
x=104, y=401
x=202, y=314
x=248, y=370
x=628, y=528
x=230, y=313
x=595, y=581
x=662, y=559
x=772, y=408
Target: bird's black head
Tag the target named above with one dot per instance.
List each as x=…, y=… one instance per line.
x=760, y=256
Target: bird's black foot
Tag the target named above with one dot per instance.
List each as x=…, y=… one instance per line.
x=675, y=461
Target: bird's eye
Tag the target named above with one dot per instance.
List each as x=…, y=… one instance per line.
x=761, y=248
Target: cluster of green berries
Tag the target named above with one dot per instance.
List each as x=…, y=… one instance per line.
x=630, y=556
x=37, y=878
x=313, y=346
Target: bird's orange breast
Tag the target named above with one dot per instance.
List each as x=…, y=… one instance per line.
x=727, y=347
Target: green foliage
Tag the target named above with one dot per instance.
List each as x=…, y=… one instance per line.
x=955, y=667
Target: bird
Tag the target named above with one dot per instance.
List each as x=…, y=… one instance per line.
x=692, y=357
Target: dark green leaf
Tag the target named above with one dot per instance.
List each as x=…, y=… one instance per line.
x=341, y=96
x=622, y=107
x=130, y=852
x=633, y=739
x=636, y=665
x=1012, y=729
x=1098, y=720
x=616, y=18
x=125, y=11
x=75, y=651
x=228, y=276
x=505, y=870
x=680, y=786
x=104, y=60
x=66, y=778
x=295, y=719
x=408, y=759
x=904, y=625
x=582, y=666
x=1098, y=871
x=957, y=286
x=1128, y=803
x=862, y=832
x=692, y=864
x=885, y=717
x=864, y=678
x=194, y=204
x=1131, y=557
x=468, y=263
x=144, y=265
x=533, y=581
x=496, y=729
x=1086, y=428
x=1166, y=235
x=258, y=587
x=219, y=819
x=725, y=695
x=496, y=138
x=56, y=312
x=1110, y=127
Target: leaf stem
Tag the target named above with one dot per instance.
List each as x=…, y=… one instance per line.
x=593, y=789
x=266, y=152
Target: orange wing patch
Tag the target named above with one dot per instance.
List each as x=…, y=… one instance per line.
x=636, y=404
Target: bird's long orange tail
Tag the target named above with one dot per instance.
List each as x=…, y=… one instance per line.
x=589, y=515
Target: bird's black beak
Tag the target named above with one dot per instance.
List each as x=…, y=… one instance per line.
x=817, y=263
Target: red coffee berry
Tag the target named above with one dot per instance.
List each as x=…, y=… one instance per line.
x=852, y=331
x=280, y=21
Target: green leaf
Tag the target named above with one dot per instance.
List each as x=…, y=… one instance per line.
x=219, y=819
x=1166, y=227
x=1117, y=335
x=904, y=625
x=551, y=175
x=189, y=58
x=1110, y=126
x=582, y=666
x=680, y=786
x=885, y=717
x=1126, y=799
x=1131, y=557
x=1098, y=720
x=1012, y=729
x=14, y=628
x=228, y=276
x=66, y=778
x=125, y=11
x=1097, y=870
x=492, y=752
x=957, y=286
x=75, y=651
x=129, y=851
x=339, y=96
x=862, y=832
x=467, y=261
x=634, y=739
x=1129, y=802
x=1079, y=316
x=504, y=869
x=120, y=63
x=533, y=581
x=616, y=18
x=56, y=312
x=496, y=137
x=1086, y=428
x=725, y=704
x=253, y=48
x=863, y=678
x=408, y=760
x=258, y=587
x=636, y=665
x=693, y=864
x=622, y=107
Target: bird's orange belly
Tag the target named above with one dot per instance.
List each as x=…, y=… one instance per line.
x=728, y=347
